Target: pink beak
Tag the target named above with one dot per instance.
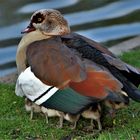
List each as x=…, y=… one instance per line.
x=29, y=28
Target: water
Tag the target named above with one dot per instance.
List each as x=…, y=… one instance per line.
x=102, y=20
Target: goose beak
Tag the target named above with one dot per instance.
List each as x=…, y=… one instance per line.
x=29, y=28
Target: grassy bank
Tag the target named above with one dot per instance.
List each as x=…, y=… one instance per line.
x=15, y=123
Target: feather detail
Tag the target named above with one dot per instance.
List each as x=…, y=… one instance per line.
x=21, y=50
x=69, y=101
x=53, y=63
x=66, y=100
x=30, y=86
x=96, y=85
x=89, y=49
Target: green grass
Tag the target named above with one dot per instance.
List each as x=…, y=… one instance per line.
x=132, y=57
x=15, y=123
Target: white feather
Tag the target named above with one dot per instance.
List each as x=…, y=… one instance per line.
x=30, y=86
x=18, y=90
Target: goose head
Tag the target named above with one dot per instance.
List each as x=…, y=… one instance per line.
x=49, y=22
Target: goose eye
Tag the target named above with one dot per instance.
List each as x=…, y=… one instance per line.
x=39, y=19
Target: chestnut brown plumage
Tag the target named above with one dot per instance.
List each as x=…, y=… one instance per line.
x=79, y=67
x=64, y=68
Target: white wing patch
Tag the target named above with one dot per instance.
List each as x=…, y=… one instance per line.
x=30, y=86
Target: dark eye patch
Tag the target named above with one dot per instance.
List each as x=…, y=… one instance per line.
x=38, y=18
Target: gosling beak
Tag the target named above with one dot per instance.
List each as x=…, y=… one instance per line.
x=29, y=28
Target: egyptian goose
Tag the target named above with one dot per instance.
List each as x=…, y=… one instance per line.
x=73, y=69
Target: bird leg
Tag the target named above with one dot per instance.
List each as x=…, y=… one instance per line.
x=99, y=124
x=89, y=128
x=91, y=123
x=74, y=125
x=46, y=116
x=61, y=119
x=31, y=114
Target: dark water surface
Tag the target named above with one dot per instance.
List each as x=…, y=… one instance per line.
x=106, y=21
